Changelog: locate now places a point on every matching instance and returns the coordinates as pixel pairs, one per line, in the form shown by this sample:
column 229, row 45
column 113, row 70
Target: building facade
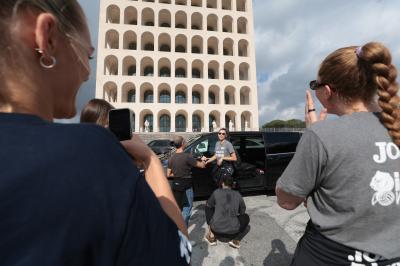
column 180, row 65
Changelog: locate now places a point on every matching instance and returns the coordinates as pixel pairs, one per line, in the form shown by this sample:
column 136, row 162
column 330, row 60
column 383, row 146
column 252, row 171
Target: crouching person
column 225, row 214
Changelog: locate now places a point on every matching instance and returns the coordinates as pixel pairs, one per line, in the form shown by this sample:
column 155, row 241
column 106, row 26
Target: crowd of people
column 72, row 194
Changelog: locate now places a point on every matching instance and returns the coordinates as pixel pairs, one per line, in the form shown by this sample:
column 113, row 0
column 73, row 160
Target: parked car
column 262, row 157
column 160, row 146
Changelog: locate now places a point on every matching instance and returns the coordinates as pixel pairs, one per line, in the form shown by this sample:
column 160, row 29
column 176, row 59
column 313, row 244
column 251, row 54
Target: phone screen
column 120, row 123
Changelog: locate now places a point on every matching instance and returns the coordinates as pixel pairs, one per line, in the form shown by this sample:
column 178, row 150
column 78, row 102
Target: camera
column 120, row 122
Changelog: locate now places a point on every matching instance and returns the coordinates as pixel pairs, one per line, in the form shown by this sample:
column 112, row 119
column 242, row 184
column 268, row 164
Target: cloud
column 299, row 34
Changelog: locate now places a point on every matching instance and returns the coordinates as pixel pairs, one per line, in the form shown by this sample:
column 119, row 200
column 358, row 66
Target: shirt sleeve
column 230, row 148
column 304, row 172
column 151, row 237
column 211, row 200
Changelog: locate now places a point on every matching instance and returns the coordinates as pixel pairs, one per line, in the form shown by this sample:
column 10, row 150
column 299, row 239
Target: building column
column 172, row 121
column 155, row 122
column 189, row 123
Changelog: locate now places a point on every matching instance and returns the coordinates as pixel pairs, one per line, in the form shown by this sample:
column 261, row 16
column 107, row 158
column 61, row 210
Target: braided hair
column 362, row 73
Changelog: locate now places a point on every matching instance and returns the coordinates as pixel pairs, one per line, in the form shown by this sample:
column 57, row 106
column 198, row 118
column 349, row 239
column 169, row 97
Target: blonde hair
column 361, row 73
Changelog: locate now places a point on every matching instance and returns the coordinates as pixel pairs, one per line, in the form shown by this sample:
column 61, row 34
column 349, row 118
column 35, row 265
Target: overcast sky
column 292, row 38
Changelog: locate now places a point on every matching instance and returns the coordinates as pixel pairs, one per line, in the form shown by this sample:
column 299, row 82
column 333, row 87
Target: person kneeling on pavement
column 225, row 214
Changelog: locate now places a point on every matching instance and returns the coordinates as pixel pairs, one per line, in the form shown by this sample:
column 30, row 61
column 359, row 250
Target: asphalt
column 271, row 239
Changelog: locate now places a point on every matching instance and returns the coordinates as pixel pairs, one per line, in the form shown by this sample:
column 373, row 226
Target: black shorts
column 316, row 249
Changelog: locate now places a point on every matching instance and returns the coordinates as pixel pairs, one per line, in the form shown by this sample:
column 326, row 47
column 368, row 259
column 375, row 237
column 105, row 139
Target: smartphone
column 120, row 122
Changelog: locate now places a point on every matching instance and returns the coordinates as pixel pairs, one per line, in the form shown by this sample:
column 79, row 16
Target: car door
column 203, row 183
column 281, row 147
column 250, row 149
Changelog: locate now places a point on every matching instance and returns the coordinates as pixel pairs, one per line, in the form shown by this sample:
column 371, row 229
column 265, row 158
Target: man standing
column 225, row 214
column 179, row 168
column 224, row 154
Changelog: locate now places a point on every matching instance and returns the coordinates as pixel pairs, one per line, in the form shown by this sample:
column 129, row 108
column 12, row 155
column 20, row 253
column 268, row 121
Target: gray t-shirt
column 349, row 170
column 223, row 149
column 228, row 205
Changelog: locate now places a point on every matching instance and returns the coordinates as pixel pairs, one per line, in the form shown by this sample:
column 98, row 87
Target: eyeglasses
column 221, row 133
column 314, row 85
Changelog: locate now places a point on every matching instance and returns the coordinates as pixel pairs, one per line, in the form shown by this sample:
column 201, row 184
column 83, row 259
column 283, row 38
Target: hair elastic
column 358, row 51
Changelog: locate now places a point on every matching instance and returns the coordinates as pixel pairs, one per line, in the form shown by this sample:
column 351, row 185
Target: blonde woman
column 69, row 194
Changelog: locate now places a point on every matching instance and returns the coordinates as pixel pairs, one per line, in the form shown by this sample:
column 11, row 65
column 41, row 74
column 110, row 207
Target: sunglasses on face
column 221, row 133
column 314, row 85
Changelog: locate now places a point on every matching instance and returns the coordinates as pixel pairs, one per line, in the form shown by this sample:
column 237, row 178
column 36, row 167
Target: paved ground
column 271, row 240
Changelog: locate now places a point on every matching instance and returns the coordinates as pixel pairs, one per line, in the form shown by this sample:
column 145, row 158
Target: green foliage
column 292, row 123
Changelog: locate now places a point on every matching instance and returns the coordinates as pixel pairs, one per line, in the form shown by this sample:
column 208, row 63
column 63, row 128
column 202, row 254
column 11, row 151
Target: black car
column 160, row 146
column 262, row 157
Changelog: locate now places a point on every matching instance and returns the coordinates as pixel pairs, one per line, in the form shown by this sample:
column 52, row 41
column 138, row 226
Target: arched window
column 149, row 71
column 196, row 98
column 149, row 47
column 180, row 49
column 196, row 123
column 165, row 72
column 180, row 97
column 195, row 50
column 165, row 48
column 149, row 119
column 211, row 74
column 211, row 98
column 148, row 97
column 196, row 73
column 211, row 118
column 132, row 71
column 113, row 14
column 131, row 96
column 180, row 73
column 165, row 97
column 165, row 123
column 180, row 123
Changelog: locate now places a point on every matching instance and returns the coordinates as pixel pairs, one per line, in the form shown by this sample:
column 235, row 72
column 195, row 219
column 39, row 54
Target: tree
column 292, row 123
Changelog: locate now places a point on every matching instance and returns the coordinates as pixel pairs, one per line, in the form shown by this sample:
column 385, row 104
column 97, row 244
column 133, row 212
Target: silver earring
column 42, row 60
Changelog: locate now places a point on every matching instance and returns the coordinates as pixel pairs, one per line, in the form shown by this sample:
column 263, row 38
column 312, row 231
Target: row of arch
column 180, row 45
column 225, row 4
column 197, row 121
column 165, row 19
column 179, row 95
column 146, row 68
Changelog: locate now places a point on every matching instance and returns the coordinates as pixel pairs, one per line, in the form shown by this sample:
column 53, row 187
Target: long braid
column 384, row 75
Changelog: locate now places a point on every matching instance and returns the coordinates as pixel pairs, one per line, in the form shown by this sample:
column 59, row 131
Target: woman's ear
column 46, row 33
column 328, row 92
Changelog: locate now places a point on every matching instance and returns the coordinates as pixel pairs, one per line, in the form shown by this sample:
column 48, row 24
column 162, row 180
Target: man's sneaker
column 212, row 241
column 234, row 243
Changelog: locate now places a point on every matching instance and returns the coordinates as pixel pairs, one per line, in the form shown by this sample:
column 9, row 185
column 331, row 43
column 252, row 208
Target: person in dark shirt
column 70, row 194
column 179, row 168
column 225, row 214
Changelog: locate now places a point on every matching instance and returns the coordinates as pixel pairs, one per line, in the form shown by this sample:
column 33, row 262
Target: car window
column 206, row 145
column 282, row 142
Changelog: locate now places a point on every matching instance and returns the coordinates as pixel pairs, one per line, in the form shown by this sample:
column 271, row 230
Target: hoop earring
column 42, row 60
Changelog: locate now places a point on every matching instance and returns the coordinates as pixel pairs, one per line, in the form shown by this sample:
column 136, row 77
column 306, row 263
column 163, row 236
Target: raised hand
column 310, row 114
